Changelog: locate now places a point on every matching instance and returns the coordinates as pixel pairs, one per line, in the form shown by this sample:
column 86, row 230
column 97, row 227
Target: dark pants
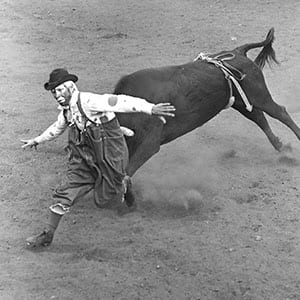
column 97, row 161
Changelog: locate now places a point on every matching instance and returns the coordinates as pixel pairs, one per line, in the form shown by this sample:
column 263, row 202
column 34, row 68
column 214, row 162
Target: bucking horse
column 199, row 90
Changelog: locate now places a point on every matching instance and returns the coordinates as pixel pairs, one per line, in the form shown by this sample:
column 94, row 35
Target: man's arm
column 53, row 131
column 124, row 103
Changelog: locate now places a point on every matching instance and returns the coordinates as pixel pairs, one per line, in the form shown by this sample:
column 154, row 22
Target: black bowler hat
column 57, row 77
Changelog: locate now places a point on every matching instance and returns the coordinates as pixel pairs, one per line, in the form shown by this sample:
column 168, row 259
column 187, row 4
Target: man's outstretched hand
column 163, row 109
column 29, row 143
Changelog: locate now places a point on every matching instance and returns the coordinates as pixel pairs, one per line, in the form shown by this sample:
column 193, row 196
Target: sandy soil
column 218, row 214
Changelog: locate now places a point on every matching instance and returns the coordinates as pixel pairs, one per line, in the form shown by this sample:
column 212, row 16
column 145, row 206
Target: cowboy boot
column 45, row 238
column 128, row 197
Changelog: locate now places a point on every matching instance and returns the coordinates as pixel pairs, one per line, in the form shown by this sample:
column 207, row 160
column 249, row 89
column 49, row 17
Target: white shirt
column 94, row 106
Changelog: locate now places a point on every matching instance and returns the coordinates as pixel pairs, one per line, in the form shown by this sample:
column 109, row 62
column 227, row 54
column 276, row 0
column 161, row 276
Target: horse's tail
column 267, row 54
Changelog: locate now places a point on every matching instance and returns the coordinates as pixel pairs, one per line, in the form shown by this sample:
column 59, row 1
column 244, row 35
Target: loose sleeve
column 116, row 103
column 54, row 130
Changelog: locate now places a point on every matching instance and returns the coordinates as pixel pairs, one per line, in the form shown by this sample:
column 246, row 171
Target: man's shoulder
column 86, row 96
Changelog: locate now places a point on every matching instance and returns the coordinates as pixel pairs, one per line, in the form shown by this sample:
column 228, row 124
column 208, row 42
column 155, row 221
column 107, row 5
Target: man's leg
column 78, row 182
column 45, row 238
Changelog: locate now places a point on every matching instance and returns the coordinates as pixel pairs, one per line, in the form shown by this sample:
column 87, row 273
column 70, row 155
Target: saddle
column 232, row 74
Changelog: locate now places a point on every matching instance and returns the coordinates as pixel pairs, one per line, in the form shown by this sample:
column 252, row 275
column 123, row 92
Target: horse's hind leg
column 258, row 117
column 278, row 112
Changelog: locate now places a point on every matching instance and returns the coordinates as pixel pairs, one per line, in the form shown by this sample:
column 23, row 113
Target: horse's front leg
column 144, row 149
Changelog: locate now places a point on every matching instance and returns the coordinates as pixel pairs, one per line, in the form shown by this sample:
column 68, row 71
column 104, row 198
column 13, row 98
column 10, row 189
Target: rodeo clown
column 98, row 153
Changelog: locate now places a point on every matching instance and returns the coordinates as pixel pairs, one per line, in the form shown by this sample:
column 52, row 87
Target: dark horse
column 199, row 91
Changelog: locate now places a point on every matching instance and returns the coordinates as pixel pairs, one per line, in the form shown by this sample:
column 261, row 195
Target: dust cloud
column 184, row 176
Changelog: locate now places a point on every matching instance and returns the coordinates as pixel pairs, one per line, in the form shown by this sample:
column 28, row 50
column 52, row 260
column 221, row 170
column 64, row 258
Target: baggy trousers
column 98, row 157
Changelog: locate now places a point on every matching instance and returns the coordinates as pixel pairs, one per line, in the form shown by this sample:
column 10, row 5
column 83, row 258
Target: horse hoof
column 286, row 148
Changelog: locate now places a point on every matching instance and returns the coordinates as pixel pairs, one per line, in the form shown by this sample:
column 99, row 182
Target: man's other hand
column 29, row 143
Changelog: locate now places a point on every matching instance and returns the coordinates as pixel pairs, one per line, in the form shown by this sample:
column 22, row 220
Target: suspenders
column 82, row 112
column 86, row 118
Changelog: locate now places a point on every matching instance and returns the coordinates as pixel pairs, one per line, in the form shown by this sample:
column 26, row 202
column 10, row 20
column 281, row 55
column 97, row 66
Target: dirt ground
column 218, row 210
